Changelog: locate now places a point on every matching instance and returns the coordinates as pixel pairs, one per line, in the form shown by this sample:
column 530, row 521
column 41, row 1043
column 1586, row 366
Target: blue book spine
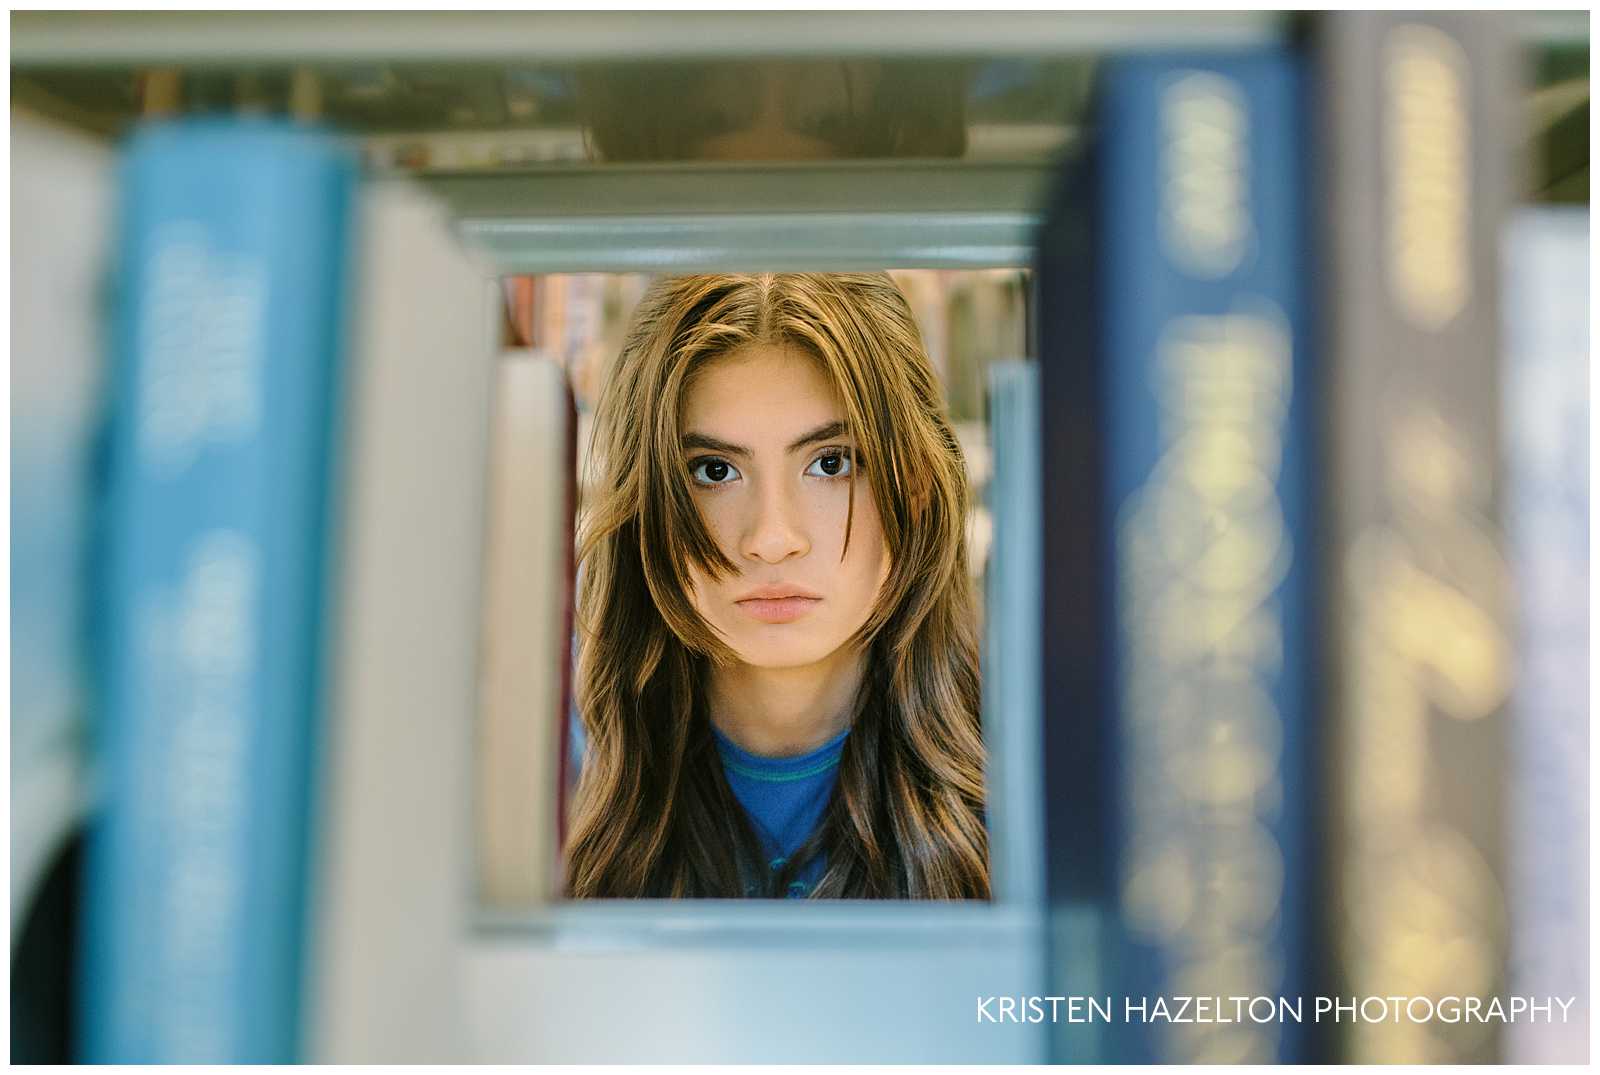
column 227, row 354
column 1177, row 536
column 1545, row 419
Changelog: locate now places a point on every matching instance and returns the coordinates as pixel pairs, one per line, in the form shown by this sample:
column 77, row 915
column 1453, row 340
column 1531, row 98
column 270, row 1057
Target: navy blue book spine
column 1173, row 342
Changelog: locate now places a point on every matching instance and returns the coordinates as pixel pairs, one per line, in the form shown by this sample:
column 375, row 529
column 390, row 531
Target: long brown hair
column 653, row 813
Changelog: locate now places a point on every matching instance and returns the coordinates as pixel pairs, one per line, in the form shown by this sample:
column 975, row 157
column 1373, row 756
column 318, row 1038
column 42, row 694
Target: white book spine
column 524, row 643
column 394, row 862
column 61, row 199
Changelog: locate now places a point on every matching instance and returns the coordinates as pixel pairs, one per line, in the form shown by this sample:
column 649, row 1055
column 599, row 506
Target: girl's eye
column 832, row 464
column 713, row 471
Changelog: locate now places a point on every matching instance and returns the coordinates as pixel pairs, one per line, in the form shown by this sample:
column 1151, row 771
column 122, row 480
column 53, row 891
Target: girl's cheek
column 829, row 510
column 715, row 514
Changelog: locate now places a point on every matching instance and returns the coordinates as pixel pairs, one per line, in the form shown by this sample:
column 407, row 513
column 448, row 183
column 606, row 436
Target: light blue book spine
column 228, row 349
column 1200, row 336
column 1011, row 658
column 1545, row 415
column 1013, row 707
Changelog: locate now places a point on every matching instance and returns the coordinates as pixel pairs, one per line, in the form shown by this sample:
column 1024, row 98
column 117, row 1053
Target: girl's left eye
column 834, row 464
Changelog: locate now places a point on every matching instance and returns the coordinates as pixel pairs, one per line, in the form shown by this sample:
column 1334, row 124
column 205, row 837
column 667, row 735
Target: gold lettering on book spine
column 1202, row 549
column 1426, row 642
column 1427, row 144
column 1205, row 173
column 1425, row 596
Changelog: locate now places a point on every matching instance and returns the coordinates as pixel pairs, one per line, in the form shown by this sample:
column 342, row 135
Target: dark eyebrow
column 700, row 440
column 823, row 432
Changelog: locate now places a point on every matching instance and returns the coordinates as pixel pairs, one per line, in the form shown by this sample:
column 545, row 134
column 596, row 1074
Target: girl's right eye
column 713, row 471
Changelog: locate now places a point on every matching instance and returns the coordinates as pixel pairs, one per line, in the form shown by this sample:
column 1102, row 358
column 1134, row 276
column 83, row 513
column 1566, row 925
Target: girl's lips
column 778, row 609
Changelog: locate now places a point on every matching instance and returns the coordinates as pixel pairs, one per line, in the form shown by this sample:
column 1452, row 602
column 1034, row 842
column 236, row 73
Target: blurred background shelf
column 897, row 986
column 233, row 38
column 506, row 93
column 832, row 216
column 734, row 923
column 228, row 39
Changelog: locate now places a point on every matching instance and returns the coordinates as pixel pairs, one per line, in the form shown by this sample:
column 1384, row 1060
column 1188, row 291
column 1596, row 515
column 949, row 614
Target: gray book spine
column 1416, row 131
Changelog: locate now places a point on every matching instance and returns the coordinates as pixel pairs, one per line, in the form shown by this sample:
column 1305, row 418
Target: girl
column 777, row 656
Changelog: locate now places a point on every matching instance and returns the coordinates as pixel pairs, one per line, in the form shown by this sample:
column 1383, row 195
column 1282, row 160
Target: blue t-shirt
column 785, row 799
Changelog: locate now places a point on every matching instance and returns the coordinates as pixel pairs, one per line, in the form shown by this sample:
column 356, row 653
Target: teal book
column 227, row 359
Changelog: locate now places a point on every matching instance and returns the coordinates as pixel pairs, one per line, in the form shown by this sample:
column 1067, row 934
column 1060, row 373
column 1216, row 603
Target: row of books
column 303, row 493
column 286, row 519
column 1313, row 721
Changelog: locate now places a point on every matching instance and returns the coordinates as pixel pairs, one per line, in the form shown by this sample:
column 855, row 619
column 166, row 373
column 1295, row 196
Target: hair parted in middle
column 653, row 813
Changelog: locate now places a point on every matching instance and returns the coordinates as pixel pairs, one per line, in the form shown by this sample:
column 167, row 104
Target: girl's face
column 769, row 464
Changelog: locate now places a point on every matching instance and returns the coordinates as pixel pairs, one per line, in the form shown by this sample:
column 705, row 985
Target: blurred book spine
column 394, row 893
column 1011, row 633
column 1546, row 411
column 57, row 177
column 520, row 293
column 1177, row 547
column 231, row 271
column 61, row 197
column 1012, row 682
column 527, row 633
column 1415, row 119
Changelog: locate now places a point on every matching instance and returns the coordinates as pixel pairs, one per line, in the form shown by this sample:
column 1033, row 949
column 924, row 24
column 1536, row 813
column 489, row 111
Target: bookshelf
column 893, row 982
column 725, row 984
column 228, row 39
column 481, row 92
column 843, row 215
column 703, row 981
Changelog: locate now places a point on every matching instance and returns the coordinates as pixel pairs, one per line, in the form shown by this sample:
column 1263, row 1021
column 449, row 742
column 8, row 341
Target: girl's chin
column 793, row 653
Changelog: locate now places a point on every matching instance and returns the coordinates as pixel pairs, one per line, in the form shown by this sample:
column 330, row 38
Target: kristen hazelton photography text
column 1263, row 1010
